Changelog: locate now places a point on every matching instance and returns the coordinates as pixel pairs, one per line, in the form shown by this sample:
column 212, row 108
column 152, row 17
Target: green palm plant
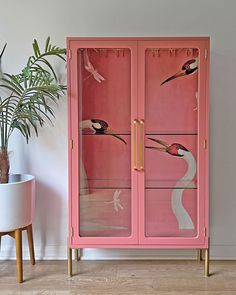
column 29, row 101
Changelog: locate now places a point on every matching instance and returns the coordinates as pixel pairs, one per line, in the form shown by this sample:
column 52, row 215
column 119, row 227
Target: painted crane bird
column 178, row 150
column 188, row 68
column 98, row 126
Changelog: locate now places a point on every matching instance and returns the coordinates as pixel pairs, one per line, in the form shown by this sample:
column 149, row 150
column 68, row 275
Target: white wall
column 46, row 156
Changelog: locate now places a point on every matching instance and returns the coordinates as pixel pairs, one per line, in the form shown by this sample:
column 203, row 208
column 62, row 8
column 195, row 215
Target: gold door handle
column 141, row 145
column 135, row 145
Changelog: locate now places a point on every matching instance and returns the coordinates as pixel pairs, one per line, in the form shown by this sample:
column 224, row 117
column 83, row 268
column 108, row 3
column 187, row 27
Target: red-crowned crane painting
column 178, row 150
column 98, row 126
column 189, row 67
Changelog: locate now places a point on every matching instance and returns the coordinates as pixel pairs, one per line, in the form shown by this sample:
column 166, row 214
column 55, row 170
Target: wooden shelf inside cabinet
column 148, row 133
column 108, row 184
column 149, row 184
column 171, row 133
column 99, row 134
column 169, row 184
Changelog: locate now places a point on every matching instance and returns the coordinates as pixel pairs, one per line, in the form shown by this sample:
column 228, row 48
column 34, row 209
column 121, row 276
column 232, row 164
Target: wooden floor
column 120, row 277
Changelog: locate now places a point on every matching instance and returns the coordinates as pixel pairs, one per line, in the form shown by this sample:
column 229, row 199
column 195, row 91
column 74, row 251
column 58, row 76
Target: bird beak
column 179, row 74
column 112, row 133
column 163, row 143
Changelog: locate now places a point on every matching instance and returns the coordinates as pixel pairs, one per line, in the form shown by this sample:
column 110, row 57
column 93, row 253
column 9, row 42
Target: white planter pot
column 17, row 202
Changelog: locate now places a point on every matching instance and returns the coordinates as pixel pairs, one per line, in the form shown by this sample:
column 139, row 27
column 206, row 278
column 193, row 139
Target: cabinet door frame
column 201, row 240
column 73, row 44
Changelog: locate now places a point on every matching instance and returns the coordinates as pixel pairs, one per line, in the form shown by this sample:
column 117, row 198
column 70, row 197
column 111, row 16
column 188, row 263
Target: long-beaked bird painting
column 188, row 68
column 178, row 150
column 98, row 126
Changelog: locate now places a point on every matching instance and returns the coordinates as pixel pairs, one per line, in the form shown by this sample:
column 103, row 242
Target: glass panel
column 171, row 90
column 171, row 138
column 106, row 160
column 171, row 185
column 167, row 217
column 105, row 213
column 105, row 139
column 171, row 161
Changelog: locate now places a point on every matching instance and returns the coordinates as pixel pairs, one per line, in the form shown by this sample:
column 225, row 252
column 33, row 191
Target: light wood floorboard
column 120, row 277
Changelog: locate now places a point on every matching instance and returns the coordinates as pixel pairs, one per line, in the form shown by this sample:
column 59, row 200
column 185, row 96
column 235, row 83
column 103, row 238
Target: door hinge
column 72, row 231
column 71, row 144
column 205, row 231
column 69, row 54
column 206, row 53
column 205, row 144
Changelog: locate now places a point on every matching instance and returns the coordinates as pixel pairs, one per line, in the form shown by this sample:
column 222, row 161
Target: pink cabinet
column 138, row 142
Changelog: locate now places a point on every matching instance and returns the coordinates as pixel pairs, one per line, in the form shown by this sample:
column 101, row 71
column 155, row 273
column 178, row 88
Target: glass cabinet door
column 105, row 86
column 171, row 93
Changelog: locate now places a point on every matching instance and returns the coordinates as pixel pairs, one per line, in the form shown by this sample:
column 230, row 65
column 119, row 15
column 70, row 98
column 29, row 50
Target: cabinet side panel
column 73, row 139
column 69, row 138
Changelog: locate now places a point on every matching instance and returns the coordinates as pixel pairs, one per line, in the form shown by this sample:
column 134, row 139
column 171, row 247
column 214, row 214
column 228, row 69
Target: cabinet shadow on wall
column 48, row 220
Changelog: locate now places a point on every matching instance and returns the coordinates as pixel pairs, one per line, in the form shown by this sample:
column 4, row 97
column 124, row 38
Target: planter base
column 17, row 235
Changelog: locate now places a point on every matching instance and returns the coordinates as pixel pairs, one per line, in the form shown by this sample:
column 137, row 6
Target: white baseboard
column 59, row 252
column 50, row 252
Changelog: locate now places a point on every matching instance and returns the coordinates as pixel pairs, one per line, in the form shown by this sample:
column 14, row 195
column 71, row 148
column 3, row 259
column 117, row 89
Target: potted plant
column 26, row 103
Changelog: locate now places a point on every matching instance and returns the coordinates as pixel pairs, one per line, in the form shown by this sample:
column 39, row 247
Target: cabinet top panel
column 206, row 38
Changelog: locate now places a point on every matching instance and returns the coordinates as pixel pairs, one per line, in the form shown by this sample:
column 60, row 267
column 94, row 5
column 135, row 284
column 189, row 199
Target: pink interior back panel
column 106, row 160
column 169, row 187
column 109, row 100
column 102, row 216
column 160, row 218
column 105, row 171
column 171, row 120
column 171, row 107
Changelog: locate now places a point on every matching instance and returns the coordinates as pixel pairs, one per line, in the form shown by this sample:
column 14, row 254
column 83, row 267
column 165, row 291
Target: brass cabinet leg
column 31, row 243
column 199, row 254
column 69, row 261
column 18, row 238
column 76, row 254
column 207, row 262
